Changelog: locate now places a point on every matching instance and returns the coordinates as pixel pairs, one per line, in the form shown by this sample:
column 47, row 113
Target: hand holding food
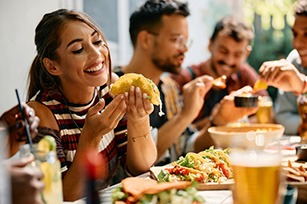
column 283, row 75
column 226, row 112
column 260, row 85
column 134, row 84
column 124, row 83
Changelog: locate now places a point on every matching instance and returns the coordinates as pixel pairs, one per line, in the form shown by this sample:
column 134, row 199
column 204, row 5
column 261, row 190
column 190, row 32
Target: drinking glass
column 263, row 113
column 257, row 175
column 50, row 167
column 5, row 188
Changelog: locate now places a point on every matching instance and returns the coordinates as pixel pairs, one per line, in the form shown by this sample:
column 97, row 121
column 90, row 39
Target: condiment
column 94, row 173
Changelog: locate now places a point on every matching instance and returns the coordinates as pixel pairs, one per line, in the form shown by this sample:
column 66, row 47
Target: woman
column 69, row 91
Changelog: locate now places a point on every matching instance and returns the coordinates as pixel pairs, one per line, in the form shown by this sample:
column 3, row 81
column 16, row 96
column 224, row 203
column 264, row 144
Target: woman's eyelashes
column 96, row 43
column 99, row 42
column 79, row 51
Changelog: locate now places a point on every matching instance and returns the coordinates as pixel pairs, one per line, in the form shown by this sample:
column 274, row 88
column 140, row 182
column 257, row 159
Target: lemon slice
column 47, row 144
column 260, row 85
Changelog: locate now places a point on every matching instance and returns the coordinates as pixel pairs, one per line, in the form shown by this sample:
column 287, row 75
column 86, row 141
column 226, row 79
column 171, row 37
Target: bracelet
column 139, row 137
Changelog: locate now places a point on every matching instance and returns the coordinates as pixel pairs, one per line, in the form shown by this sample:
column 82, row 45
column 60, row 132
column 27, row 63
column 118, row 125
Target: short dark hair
column 301, row 8
column 148, row 15
column 234, row 28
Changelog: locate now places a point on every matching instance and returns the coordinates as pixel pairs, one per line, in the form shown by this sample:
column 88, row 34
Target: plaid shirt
column 71, row 118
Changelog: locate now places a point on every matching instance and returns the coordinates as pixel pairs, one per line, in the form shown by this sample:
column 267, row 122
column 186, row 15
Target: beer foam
column 255, row 158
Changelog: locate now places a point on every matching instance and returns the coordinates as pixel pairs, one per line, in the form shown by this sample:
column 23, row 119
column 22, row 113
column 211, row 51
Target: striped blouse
column 71, row 118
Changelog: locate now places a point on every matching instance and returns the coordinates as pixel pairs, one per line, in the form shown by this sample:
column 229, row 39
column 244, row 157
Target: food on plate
column 147, row 86
column 210, row 165
column 220, row 82
column 295, row 174
column 260, row 85
column 142, row 190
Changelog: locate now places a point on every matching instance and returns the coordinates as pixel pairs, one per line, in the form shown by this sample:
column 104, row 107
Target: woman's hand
column 101, row 120
column 12, row 119
column 138, row 105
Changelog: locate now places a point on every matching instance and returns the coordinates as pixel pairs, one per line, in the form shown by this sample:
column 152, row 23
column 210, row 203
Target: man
column 286, row 111
column 229, row 46
column 159, row 33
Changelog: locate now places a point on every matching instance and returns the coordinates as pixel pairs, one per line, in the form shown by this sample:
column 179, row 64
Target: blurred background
column 271, row 19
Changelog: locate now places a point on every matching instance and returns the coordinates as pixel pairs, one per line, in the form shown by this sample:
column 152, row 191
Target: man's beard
column 166, row 65
column 230, row 69
column 221, row 62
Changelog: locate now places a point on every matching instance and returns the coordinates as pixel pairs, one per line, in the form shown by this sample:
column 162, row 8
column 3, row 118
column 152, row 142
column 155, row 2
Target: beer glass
column 257, row 176
column 263, row 113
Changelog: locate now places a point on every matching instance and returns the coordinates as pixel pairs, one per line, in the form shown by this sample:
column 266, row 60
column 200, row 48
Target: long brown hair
column 47, row 40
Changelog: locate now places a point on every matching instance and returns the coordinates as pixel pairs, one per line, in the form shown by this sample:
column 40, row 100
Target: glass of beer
column 257, row 176
column 263, row 113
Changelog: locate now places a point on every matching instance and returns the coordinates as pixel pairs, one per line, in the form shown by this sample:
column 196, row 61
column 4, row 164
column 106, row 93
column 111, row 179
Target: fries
column 297, row 174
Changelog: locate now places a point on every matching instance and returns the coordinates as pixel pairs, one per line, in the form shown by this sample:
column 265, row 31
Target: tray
column 154, row 171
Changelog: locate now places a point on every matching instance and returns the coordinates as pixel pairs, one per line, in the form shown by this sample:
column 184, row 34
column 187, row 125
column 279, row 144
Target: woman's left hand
column 138, row 105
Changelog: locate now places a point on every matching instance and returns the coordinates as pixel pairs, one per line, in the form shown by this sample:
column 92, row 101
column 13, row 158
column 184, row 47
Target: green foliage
column 272, row 21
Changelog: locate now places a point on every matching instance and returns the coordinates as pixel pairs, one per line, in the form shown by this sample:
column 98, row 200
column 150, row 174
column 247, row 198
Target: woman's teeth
column 95, row 69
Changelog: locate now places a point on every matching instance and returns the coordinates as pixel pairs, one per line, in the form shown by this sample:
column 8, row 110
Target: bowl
column 246, row 101
column 249, row 136
column 301, row 152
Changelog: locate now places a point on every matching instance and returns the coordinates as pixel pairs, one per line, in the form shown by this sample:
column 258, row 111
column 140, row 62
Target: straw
column 25, row 121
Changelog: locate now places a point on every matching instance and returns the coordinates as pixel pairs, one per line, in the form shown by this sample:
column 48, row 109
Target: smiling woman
column 69, row 90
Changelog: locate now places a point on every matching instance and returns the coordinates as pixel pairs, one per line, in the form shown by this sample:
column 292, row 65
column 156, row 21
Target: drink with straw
column 46, row 158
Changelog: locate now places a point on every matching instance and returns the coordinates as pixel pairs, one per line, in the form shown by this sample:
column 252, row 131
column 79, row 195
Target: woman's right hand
column 102, row 119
